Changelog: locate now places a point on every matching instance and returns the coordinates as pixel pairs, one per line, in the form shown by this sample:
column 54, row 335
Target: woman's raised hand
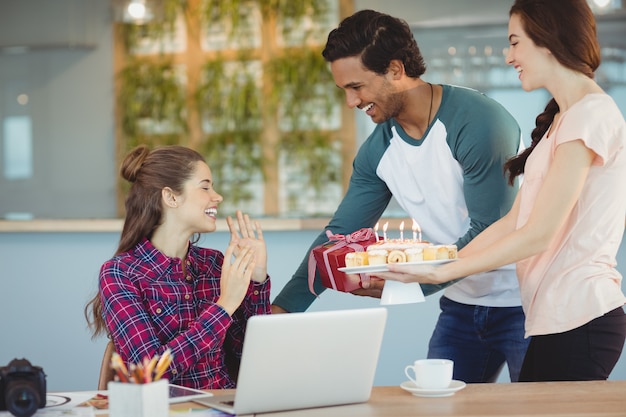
column 235, row 279
column 249, row 235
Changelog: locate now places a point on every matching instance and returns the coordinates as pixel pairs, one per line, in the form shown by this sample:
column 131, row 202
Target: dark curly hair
column 378, row 38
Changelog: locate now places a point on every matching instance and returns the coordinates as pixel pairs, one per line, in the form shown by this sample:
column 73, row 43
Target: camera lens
column 21, row 399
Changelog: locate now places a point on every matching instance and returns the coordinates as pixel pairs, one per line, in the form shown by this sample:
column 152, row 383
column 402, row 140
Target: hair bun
column 133, row 163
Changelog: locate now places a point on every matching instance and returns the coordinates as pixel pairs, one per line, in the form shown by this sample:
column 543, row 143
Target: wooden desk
column 593, row 398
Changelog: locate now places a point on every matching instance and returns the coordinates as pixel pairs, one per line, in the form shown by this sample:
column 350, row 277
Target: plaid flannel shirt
column 149, row 305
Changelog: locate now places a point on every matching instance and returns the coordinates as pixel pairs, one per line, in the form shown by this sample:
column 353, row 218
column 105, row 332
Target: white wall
column 68, row 77
column 46, row 279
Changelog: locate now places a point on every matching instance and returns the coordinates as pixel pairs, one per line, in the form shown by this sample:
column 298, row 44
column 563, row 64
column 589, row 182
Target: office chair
column 106, row 371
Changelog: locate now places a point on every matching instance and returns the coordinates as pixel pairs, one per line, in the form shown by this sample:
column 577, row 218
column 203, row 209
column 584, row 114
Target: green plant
column 229, row 102
column 304, row 91
column 288, row 11
column 157, row 29
column 152, row 103
column 238, row 92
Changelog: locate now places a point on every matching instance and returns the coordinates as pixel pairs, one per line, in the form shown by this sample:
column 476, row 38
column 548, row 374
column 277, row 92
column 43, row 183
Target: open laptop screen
column 303, row 360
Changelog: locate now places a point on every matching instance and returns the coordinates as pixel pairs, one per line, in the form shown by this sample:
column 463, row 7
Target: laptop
column 304, row 360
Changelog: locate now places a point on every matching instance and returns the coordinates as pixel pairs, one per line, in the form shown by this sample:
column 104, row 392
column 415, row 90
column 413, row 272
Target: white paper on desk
column 63, row 404
column 197, row 412
column 49, row 412
column 396, row 292
column 67, row 400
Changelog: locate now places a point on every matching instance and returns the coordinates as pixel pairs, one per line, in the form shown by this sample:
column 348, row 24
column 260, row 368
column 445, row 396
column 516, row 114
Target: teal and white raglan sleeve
column 482, row 149
column 364, row 203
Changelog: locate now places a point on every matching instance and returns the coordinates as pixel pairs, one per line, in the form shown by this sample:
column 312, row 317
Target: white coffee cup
column 430, row 373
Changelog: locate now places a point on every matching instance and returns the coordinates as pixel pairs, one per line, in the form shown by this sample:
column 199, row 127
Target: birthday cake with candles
column 365, row 247
column 389, row 251
column 399, row 251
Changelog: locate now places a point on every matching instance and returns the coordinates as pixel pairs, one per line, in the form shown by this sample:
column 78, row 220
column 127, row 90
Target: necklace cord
column 430, row 110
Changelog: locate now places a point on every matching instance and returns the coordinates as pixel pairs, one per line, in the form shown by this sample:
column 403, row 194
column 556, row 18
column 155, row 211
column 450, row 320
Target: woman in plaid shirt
column 161, row 291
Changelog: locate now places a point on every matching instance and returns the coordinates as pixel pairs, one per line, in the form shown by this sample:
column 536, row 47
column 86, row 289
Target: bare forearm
column 490, row 254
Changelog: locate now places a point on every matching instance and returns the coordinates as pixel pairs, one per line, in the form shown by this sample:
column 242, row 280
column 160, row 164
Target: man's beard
column 393, row 105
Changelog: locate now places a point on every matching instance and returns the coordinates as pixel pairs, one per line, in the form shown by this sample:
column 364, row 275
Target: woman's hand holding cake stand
column 424, row 273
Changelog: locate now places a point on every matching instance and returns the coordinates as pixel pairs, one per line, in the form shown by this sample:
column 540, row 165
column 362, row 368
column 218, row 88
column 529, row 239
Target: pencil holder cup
column 139, row 400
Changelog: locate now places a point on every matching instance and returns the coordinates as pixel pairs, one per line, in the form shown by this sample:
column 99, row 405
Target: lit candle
column 402, row 231
column 376, row 231
column 416, row 228
column 385, row 231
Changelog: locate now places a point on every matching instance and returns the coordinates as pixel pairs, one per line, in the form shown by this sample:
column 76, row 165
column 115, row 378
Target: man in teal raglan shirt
column 439, row 151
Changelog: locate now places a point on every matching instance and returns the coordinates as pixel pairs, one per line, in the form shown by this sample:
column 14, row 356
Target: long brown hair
column 567, row 28
column 148, row 172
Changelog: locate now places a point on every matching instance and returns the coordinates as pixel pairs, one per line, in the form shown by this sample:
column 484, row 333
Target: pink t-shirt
column 575, row 280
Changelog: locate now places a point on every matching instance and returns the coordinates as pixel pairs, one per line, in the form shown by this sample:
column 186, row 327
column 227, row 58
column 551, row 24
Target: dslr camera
column 22, row 388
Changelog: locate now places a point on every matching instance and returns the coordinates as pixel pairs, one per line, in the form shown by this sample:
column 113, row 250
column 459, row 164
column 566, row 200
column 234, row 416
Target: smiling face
column 197, row 205
column 371, row 92
column 533, row 64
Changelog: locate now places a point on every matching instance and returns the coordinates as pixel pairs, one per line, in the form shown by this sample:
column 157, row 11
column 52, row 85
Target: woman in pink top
column 567, row 221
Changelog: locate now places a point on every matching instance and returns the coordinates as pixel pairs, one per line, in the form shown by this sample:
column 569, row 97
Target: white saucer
column 430, row 392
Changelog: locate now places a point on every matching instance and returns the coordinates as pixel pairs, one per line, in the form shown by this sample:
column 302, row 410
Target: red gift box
column 330, row 256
